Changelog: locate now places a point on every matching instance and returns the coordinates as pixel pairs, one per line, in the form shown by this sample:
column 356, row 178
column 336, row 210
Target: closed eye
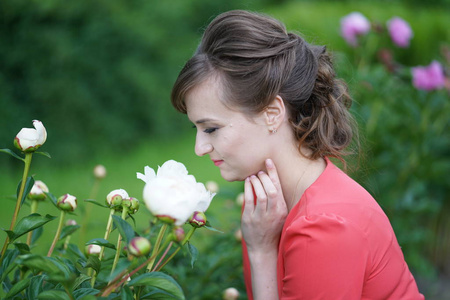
column 210, row 130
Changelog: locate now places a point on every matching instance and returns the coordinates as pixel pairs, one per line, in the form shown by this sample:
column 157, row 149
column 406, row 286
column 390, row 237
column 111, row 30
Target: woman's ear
column 275, row 113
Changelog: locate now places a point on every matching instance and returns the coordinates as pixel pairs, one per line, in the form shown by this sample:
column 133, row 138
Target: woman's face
column 235, row 142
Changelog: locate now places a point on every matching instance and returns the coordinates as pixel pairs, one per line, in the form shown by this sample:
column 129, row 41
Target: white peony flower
column 67, row 202
column 172, row 194
column 212, row 186
column 38, row 191
column 99, row 171
column 115, row 197
column 93, row 250
column 230, row 294
column 29, row 139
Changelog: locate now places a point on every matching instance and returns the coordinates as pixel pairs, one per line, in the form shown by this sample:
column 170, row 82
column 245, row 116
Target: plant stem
column 112, row 285
column 34, row 205
column 107, row 232
column 163, row 256
column 157, row 244
column 26, row 170
column 87, row 213
column 58, row 233
column 119, row 241
column 186, row 239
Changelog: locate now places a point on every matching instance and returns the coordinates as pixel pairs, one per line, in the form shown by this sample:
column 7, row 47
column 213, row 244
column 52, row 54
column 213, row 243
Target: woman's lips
column 217, row 162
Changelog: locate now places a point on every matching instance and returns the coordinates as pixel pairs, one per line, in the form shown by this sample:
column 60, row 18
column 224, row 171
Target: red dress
column 337, row 243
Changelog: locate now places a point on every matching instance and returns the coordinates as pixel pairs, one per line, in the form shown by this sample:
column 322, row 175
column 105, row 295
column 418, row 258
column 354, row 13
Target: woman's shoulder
column 336, row 192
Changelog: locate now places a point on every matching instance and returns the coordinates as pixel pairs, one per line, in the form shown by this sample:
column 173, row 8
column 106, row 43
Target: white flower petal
column 42, row 133
column 149, row 174
column 175, row 194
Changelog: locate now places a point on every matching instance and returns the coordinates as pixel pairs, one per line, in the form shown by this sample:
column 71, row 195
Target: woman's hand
column 262, row 221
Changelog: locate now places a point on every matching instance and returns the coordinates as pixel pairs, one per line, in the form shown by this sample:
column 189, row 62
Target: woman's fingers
column 273, row 174
column 261, row 196
column 267, row 189
column 249, row 199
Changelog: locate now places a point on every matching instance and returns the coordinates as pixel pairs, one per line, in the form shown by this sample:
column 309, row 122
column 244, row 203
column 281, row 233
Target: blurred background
column 98, row 74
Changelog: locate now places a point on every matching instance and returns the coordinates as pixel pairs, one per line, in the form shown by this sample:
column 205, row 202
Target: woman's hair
column 256, row 59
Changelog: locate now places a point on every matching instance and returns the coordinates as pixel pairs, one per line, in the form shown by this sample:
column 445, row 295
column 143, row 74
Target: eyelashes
column 207, row 130
column 210, row 130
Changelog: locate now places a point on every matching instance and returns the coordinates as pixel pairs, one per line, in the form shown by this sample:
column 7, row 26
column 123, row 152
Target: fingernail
column 269, row 163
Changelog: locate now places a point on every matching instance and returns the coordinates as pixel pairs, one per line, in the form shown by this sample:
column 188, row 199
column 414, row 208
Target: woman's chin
column 231, row 177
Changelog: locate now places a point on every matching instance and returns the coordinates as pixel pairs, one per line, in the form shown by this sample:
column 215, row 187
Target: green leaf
column 36, row 235
column 68, row 230
column 90, row 297
column 22, row 247
column 193, row 252
column 126, row 293
column 159, row 280
column 10, row 152
column 18, row 287
column 209, row 227
column 35, row 287
column 80, row 279
column 72, row 248
column 8, row 263
column 94, row 263
column 125, row 229
column 78, row 294
column 96, row 203
column 101, row 242
column 53, row 199
column 54, row 295
column 28, row 185
column 27, row 224
column 44, row 154
column 38, row 262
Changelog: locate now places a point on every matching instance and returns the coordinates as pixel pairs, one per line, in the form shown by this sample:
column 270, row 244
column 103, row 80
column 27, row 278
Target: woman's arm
column 262, row 222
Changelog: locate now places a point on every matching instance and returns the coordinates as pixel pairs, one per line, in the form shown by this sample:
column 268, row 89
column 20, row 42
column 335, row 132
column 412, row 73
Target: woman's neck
column 296, row 174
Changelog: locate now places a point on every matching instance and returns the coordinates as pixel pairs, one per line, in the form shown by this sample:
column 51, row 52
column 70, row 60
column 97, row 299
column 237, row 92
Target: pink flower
column 428, row 78
column 400, row 32
column 353, row 25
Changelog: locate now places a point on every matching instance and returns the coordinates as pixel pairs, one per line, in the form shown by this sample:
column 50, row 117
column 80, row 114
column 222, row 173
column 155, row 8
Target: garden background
column 98, row 74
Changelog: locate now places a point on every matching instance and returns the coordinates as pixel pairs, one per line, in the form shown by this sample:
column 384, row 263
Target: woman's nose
column 202, row 146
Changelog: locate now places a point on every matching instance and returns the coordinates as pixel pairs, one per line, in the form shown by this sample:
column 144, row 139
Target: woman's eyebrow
column 205, row 120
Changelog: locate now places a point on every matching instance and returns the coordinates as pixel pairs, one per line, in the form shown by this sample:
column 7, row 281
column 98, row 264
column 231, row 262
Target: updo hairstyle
column 256, row 59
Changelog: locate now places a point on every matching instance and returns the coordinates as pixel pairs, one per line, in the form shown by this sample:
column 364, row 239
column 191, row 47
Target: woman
column 269, row 111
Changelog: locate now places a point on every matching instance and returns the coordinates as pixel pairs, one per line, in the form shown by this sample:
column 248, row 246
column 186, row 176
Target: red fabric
column 337, row 243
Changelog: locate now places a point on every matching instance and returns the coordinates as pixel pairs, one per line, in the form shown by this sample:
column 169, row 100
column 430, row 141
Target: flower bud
column 230, row 294
column 212, row 186
column 240, row 199
column 115, row 198
column 67, row 202
column 38, row 191
column 198, row 219
column 99, row 171
column 178, row 233
column 238, row 235
column 29, row 139
column 139, row 246
column 93, row 250
column 71, row 222
column 132, row 204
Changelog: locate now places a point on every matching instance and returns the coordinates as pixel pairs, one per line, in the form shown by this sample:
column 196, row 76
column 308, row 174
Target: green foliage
column 405, row 150
column 98, row 74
